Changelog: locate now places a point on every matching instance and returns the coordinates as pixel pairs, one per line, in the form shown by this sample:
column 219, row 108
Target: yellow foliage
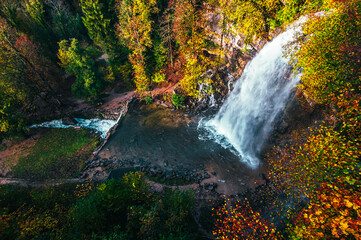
column 135, row 27
column 34, row 223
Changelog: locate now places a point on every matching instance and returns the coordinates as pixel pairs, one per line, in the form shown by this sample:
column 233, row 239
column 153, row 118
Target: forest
column 84, row 48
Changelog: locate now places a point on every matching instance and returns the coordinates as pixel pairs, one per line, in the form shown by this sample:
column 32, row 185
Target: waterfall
column 206, row 89
column 259, row 95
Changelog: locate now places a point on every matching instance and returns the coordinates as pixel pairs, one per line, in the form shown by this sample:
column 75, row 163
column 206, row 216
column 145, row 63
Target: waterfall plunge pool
column 151, row 135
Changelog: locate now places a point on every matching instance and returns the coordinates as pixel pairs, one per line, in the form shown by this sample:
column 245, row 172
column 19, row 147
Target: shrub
column 169, row 217
column 86, row 216
column 159, row 77
column 177, row 100
column 148, row 99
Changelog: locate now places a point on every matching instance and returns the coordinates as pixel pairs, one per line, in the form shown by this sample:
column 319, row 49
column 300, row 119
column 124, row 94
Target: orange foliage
column 239, row 221
column 336, row 213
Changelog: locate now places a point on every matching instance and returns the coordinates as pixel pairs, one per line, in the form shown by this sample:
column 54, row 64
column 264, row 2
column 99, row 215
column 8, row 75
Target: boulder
column 68, row 120
column 210, row 186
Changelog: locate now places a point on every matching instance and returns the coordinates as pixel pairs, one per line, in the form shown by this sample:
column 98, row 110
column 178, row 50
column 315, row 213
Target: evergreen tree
column 99, row 25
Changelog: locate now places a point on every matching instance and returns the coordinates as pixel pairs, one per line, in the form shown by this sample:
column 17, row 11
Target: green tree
column 292, row 9
column 87, row 216
column 98, row 22
column 169, row 217
column 15, row 89
column 9, row 11
column 11, row 101
column 66, row 24
column 81, row 62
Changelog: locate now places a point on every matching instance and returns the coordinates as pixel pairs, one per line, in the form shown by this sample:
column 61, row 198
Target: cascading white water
column 100, row 125
column 206, row 90
column 247, row 116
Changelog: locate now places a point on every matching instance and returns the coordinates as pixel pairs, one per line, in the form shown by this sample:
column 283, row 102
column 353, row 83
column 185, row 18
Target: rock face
column 68, row 120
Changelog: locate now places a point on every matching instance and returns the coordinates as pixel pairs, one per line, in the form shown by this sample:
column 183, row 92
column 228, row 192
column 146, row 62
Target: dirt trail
column 116, row 100
column 112, row 103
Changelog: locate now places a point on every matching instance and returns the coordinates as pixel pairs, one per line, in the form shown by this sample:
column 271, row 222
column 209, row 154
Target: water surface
column 158, row 135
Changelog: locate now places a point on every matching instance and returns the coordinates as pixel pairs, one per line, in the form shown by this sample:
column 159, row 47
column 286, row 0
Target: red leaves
column 26, row 46
column 335, row 213
column 237, row 220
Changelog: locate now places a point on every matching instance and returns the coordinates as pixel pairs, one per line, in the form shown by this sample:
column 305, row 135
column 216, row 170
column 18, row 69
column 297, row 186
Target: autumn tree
column 24, row 77
column 134, row 31
column 190, row 34
column 28, row 52
column 320, row 169
column 322, row 166
column 330, row 53
column 33, row 20
column 250, row 17
column 167, row 34
column 335, row 213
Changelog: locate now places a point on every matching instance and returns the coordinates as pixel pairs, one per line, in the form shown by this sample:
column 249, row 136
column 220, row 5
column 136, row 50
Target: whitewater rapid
column 99, row 125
